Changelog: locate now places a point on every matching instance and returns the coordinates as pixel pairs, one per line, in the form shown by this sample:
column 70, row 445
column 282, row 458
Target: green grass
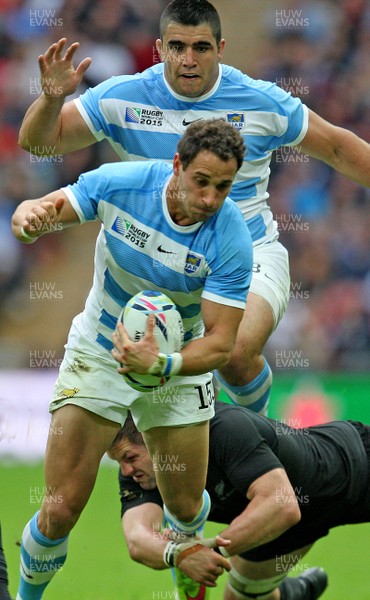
column 98, row 566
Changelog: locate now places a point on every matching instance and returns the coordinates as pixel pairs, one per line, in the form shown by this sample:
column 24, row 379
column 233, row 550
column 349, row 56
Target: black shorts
column 319, row 517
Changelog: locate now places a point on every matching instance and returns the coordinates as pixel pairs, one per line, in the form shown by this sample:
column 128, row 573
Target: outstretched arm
column 339, row 148
column 51, row 213
column 51, row 127
column 146, row 544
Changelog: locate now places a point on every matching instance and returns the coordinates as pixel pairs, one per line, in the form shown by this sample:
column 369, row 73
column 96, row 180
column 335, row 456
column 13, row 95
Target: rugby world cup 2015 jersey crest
column 144, row 116
column 137, row 236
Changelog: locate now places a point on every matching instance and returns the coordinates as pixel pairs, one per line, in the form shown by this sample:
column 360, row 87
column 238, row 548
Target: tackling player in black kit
column 279, row 489
column 4, row 593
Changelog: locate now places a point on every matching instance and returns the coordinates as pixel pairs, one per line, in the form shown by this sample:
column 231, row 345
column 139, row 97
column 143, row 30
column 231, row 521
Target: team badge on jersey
column 192, row 263
column 236, row 120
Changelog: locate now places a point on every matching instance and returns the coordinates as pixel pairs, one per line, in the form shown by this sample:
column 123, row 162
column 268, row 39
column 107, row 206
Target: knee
column 243, row 366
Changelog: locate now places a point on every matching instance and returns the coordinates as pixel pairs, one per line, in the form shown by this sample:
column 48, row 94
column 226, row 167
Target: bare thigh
column 180, row 459
column 76, row 443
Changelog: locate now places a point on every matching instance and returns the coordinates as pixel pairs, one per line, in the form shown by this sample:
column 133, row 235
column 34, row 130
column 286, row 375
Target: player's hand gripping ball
column 168, row 331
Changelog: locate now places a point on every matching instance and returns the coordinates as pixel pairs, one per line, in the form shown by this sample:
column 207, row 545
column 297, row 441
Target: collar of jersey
column 212, row 91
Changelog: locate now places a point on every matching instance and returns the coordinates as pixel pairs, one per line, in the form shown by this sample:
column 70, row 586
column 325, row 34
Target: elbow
column 134, row 551
column 140, row 555
column 292, row 515
column 224, row 359
column 23, row 142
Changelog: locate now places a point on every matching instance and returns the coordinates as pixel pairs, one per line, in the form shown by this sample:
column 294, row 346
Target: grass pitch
column 98, row 566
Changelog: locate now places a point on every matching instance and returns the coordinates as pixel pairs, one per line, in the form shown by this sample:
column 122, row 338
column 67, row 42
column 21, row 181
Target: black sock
column 293, row 589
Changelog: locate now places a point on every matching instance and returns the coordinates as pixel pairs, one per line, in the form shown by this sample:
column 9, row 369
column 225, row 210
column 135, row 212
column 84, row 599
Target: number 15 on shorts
column 206, row 395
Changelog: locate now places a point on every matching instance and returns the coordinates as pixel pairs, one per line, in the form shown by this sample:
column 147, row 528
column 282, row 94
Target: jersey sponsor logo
column 192, row 263
column 133, row 234
column 236, row 120
column 160, row 249
column 144, row 116
column 130, row 495
column 186, row 123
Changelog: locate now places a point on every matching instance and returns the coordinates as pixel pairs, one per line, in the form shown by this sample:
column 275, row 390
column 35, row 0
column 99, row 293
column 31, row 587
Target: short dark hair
column 215, row 135
column 128, row 432
column 191, row 12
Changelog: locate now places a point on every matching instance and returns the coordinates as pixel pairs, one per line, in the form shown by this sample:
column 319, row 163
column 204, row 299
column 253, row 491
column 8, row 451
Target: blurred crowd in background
column 319, row 50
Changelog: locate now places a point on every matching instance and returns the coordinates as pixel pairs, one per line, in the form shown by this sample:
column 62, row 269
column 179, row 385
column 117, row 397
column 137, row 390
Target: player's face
column 135, row 462
column 200, row 190
column 191, row 58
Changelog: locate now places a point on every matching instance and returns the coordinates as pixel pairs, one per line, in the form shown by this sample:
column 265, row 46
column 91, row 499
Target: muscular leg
column 247, row 375
column 71, row 465
column 180, row 458
column 72, row 460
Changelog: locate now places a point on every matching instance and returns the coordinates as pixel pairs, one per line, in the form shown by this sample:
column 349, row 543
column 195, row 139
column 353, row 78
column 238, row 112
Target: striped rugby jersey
column 139, row 247
column 144, row 119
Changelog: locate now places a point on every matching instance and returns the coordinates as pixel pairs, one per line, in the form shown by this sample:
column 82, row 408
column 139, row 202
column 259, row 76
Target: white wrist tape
column 175, row 552
column 27, row 236
column 166, row 365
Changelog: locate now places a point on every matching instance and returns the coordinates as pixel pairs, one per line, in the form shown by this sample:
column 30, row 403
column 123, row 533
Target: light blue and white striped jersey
column 139, row 247
column 144, row 119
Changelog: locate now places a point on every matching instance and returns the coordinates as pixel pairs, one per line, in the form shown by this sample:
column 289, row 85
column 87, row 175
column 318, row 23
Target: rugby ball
column 168, row 331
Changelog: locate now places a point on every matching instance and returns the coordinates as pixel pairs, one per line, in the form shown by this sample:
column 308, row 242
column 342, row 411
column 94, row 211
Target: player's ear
column 220, row 49
column 176, row 164
column 159, row 47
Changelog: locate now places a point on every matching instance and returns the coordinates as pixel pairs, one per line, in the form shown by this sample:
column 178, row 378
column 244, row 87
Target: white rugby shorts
column 91, row 380
column 271, row 278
